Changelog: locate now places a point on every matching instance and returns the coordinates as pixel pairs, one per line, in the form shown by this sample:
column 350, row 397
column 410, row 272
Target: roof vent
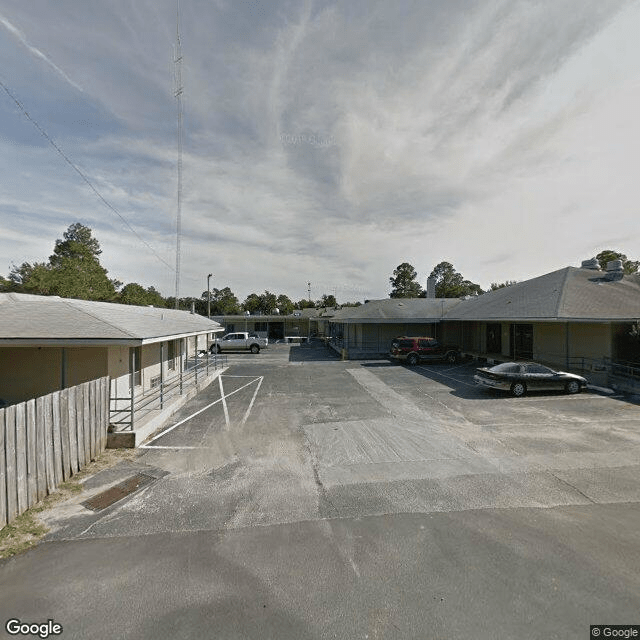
column 591, row 264
column 615, row 270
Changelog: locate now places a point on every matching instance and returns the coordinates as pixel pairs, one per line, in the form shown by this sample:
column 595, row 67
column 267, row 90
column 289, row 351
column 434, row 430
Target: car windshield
column 506, row 367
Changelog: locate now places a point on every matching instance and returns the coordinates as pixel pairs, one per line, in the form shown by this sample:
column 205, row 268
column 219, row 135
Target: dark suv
column 413, row 350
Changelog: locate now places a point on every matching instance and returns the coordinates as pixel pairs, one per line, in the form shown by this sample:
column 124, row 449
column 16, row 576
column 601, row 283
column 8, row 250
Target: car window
column 424, row 343
column 537, row 368
column 506, row 367
column 404, row 343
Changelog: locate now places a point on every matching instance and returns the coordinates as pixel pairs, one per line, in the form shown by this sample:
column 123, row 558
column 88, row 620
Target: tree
column 304, row 304
column 134, row 293
column 502, row 285
column 608, row 255
column 78, row 243
column 268, row 302
column 251, row 303
column 327, row 301
column 31, row 278
column 404, row 283
column 223, row 302
column 451, row 284
column 284, row 304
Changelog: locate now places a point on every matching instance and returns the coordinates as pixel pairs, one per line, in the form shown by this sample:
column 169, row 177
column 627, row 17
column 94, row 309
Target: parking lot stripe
column 193, row 415
column 246, row 415
column 224, row 403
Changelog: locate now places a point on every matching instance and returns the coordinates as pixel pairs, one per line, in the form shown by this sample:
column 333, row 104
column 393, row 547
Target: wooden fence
column 44, row 441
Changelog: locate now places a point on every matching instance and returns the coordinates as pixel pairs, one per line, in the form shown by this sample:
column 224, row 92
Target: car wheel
column 573, row 386
column 218, row 349
column 255, row 348
column 451, row 357
column 412, row 359
column 518, row 389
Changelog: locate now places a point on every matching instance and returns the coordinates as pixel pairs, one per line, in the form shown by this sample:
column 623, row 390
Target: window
column 136, row 365
column 537, row 368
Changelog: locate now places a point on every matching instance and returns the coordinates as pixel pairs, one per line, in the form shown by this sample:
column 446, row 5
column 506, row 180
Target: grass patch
column 27, row 529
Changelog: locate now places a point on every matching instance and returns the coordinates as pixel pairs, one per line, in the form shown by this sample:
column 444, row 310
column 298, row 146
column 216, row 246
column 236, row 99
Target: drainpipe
column 63, row 369
column 566, row 345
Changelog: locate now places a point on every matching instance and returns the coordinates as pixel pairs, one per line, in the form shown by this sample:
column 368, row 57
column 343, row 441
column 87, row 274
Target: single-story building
column 366, row 331
column 150, row 354
column 575, row 318
column 274, row 327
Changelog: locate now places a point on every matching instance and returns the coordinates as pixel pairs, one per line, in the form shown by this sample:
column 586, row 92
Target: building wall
column 29, row 372
column 85, row 363
column 549, row 342
column 590, row 340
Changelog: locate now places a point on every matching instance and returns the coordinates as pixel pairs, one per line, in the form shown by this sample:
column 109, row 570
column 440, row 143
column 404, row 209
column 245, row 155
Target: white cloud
column 330, row 143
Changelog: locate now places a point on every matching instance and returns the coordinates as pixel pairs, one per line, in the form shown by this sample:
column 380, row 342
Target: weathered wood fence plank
column 48, row 439
column 86, row 419
column 64, row 434
column 21, row 458
column 57, row 439
column 80, row 426
column 3, row 474
column 73, row 431
column 32, row 448
column 10, row 457
column 92, row 417
column 41, row 440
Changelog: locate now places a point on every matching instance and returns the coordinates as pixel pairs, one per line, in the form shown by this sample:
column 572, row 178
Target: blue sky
column 324, row 141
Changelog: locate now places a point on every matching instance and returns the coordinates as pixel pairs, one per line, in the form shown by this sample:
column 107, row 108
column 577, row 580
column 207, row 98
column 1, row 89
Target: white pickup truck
column 239, row 342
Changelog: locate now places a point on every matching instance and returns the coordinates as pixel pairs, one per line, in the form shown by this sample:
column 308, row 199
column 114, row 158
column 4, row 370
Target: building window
column 136, row 356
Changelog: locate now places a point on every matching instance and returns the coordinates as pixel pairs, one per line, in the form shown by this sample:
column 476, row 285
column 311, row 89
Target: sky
column 323, row 141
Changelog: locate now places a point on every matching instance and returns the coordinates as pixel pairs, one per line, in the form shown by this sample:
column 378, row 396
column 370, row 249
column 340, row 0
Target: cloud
column 14, row 31
column 326, row 140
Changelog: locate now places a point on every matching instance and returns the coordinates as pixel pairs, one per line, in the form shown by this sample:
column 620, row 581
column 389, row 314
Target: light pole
column 209, row 297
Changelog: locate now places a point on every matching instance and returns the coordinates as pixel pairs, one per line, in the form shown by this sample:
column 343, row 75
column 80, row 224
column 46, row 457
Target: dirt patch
column 28, row 528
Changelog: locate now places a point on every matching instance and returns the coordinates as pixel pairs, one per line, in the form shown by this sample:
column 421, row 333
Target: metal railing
column 123, row 418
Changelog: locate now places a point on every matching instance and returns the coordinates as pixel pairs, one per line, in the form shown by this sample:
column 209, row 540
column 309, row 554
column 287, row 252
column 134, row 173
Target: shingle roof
column 390, row 310
column 27, row 317
column 567, row 294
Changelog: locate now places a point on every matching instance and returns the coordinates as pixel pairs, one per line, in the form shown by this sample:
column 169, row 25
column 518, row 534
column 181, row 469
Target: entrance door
column 521, row 342
column 494, row 337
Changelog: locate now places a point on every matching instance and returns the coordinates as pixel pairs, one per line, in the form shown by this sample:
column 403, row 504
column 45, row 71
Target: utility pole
column 209, row 297
column 178, row 95
column 309, row 290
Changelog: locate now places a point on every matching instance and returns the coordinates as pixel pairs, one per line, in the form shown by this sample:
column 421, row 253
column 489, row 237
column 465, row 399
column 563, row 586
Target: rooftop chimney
column 591, row 264
column 615, row 270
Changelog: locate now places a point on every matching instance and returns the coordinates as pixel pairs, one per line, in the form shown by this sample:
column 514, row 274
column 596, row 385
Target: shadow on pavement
column 312, row 352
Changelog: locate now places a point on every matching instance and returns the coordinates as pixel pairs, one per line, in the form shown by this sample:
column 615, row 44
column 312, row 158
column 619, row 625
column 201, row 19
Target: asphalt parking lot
column 300, row 496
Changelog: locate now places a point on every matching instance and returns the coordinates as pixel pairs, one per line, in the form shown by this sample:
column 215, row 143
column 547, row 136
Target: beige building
column 150, row 354
column 366, row 331
column 577, row 318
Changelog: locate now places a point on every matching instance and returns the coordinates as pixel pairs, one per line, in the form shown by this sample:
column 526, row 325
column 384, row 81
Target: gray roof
column 397, row 310
column 40, row 319
column 567, row 294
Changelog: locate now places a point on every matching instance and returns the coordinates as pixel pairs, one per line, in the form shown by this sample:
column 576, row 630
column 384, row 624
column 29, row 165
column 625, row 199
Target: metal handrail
column 155, row 398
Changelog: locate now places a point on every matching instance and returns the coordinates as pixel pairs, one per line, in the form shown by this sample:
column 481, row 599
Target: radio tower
column 178, row 95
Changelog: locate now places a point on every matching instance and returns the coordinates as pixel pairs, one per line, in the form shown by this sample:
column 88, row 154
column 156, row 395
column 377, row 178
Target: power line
column 82, row 175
